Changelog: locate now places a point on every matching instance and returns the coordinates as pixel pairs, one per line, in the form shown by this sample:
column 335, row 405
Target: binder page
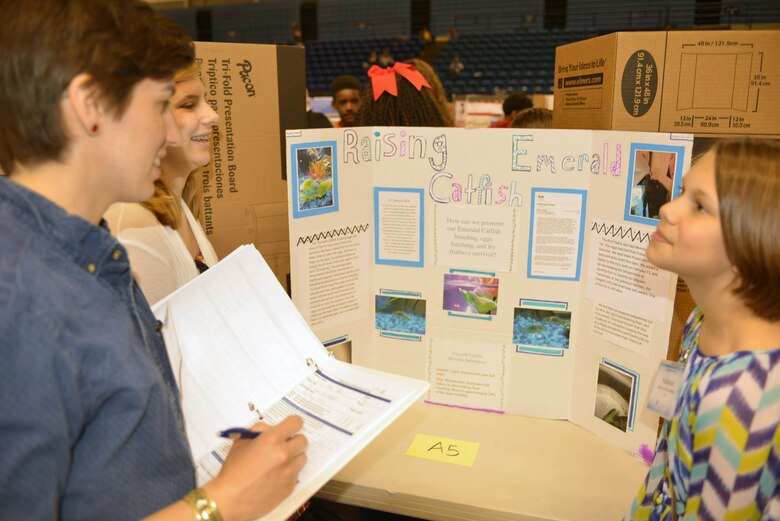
column 241, row 342
column 242, row 353
column 343, row 408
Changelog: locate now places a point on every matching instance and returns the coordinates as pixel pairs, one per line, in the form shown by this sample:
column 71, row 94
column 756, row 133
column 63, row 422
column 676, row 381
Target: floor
column 321, row 510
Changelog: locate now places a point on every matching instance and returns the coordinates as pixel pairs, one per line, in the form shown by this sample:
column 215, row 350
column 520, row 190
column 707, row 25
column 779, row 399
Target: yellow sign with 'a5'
column 446, row 450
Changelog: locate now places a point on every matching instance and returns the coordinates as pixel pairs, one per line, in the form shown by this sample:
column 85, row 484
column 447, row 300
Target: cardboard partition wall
column 709, row 83
column 259, row 92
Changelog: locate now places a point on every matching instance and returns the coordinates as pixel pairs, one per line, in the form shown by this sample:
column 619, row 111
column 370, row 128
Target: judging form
column 334, row 406
column 241, row 353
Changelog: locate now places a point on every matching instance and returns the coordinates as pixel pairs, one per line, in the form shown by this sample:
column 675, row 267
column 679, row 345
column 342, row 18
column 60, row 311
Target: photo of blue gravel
column 400, row 314
column 542, row 328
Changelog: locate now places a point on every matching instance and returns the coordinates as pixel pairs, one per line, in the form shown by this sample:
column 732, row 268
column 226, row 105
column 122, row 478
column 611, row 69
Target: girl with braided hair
column 398, row 96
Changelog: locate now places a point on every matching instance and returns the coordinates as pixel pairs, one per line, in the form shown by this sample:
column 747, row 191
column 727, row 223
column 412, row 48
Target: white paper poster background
column 584, row 398
column 588, row 162
column 332, row 263
column 467, row 374
column 627, row 330
column 482, row 240
column 619, row 273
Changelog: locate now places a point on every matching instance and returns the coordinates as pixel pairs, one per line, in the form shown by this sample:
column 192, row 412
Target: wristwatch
column 205, row 508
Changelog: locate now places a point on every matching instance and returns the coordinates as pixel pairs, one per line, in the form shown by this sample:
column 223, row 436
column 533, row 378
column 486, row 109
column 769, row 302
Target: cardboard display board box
column 709, row 83
column 259, row 92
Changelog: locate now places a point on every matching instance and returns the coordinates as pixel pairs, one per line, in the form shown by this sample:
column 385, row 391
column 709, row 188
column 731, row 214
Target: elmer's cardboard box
column 708, row 83
column 259, row 92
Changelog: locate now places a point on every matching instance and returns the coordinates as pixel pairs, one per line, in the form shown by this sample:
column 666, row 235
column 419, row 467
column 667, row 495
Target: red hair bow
column 383, row 80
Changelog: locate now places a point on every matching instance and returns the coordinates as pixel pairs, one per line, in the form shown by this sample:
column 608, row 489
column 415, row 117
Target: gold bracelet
column 205, row 508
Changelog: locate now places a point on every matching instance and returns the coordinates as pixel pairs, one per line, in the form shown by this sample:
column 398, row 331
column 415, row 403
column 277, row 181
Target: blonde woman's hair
column 534, row 117
column 437, row 90
column 162, row 203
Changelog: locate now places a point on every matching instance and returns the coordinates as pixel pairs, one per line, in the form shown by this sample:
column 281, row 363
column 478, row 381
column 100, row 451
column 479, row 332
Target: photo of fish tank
column 314, row 177
column 470, row 294
column 542, row 327
column 400, row 314
column 613, row 396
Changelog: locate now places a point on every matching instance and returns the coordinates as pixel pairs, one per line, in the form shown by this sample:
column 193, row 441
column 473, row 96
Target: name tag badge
column 663, row 394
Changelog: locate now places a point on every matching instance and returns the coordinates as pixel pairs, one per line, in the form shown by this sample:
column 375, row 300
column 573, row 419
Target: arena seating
column 503, row 44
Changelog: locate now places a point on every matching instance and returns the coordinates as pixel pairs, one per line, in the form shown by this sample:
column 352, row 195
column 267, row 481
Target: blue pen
column 239, row 433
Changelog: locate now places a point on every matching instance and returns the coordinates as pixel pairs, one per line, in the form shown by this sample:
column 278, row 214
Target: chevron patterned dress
column 721, row 451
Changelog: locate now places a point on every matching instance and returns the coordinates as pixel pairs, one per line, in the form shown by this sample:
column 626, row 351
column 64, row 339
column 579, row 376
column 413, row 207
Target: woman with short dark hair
column 91, row 426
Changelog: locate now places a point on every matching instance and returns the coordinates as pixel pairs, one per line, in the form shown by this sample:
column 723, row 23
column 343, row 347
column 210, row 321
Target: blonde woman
column 437, row 91
column 165, row 242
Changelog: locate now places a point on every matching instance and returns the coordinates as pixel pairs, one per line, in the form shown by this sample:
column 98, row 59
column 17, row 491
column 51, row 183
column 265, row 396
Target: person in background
column 456, row 67
column 345, row 90
column 91, row 426
column 165, row 243
column 315, row 119
column 718, row 455
column 535, row 117
column 297, row 34
column 513, row 104
column 385, row 59
column 164, row 240
column 372, row 60
column 398, row 96
column 437, row 90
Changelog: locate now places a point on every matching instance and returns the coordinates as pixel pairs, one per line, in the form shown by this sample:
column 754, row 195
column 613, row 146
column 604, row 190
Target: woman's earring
column 94, row 128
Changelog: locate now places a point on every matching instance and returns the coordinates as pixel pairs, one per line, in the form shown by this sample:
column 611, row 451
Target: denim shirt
column 90, row 426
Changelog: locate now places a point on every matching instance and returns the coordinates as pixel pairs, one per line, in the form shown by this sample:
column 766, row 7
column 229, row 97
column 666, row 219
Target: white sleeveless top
column 160, row 261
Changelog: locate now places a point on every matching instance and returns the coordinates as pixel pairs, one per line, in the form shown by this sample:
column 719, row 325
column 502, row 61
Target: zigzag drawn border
column 336, row 232
column 602, row 229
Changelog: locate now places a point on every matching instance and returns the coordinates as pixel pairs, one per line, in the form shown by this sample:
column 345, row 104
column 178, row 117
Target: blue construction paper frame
column 297, row 206
column 420, row 262
column 652, row 147
column 583, row 214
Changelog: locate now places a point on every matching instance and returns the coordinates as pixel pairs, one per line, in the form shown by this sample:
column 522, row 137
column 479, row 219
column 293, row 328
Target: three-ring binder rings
column 242, row 353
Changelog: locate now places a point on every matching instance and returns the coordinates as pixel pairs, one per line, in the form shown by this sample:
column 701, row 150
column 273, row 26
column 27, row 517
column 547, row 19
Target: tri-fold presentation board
column 258, row 91
column 504, row 266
